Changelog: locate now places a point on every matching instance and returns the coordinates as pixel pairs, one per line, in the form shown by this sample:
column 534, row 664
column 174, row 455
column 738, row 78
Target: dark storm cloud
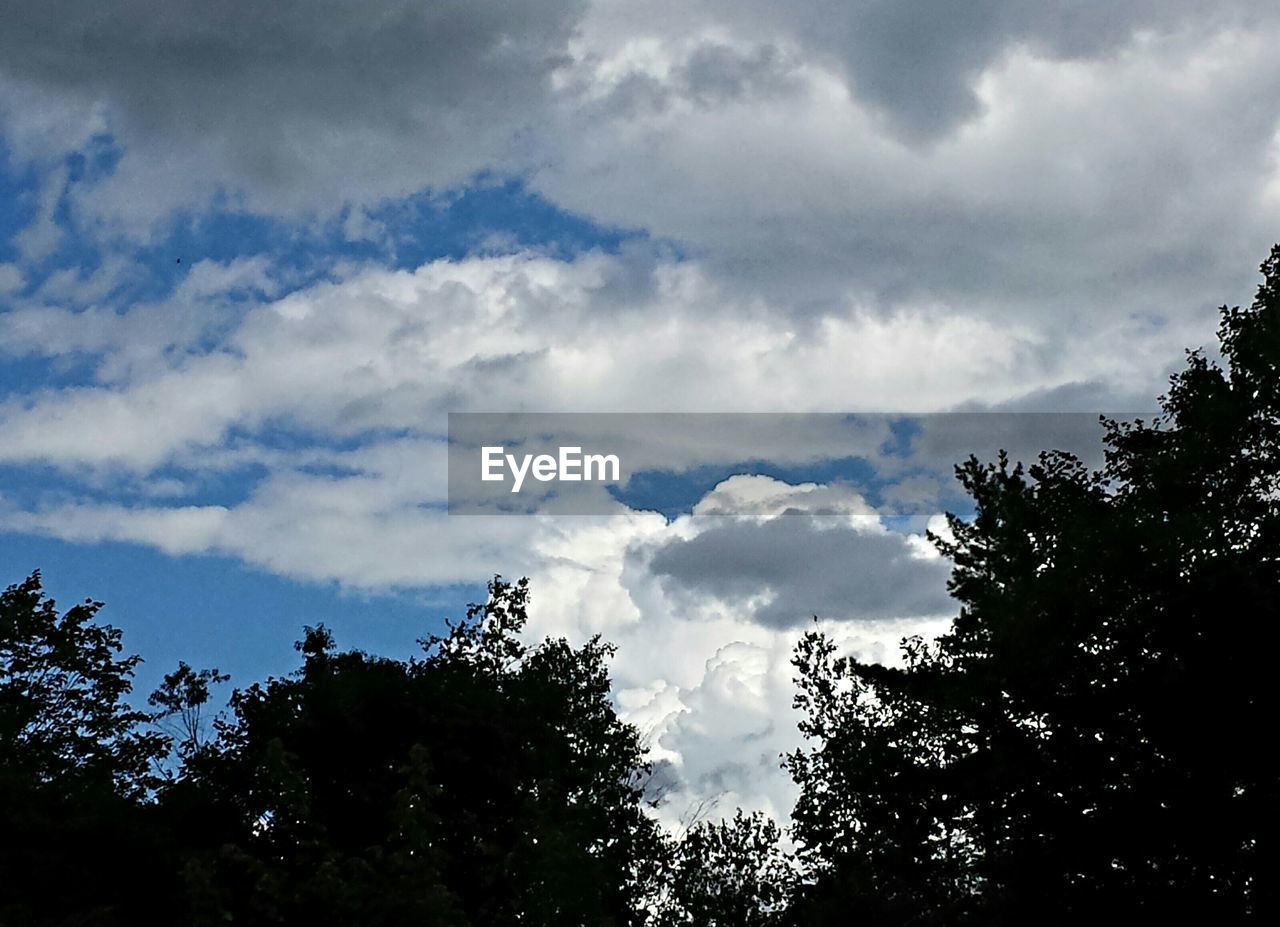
column 716, row 73
column 285, row 89
column 916, row 60
column 808, row 567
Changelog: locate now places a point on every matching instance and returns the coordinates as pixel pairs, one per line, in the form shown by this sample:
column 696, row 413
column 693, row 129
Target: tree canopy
column 76, row 759
column 486, row 782
column 1089, row 738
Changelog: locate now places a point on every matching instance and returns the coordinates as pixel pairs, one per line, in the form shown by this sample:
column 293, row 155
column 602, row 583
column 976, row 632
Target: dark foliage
column 1090, row 738
column 727, row 874
column 484, row 783
column 75, row 761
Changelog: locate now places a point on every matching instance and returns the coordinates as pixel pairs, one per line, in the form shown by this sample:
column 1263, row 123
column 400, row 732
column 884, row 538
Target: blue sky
column 208, row 609
column 241, row 288
column 214, row 612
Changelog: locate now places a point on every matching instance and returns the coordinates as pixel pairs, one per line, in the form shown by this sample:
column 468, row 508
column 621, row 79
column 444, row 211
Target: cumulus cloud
column 702, row 670
column 918, row 61
column 72, row 314
column 1111, row 165
column 10, row 278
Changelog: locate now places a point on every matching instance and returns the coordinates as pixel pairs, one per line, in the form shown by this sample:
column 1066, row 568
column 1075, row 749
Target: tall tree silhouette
column 76, row 760
column 487, row 782
column 1092, row 736
column 731, row 873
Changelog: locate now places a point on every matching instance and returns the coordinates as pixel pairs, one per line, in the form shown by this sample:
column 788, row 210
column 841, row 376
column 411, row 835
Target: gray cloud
column 1123, row 171
column 290, row 98
column 809, row 568
column 712, row 75
column 1090, row 174
column 917, row 60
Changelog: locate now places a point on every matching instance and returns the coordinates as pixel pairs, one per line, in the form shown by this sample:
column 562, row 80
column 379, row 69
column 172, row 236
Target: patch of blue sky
column 21, row 202
column 675, row 492
column 19, row 188
column 903, row 431
column 489, row 213
column 216, row 611
column 26, row 373
column 38, row 485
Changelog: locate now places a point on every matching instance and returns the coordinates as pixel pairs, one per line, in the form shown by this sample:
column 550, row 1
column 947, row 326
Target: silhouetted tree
column 487, row 782
column 76, row 762
column 180, row 703
column 730, row 873
column 1092, row 736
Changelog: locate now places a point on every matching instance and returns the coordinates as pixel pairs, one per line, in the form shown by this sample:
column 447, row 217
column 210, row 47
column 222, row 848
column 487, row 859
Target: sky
column 252, row 255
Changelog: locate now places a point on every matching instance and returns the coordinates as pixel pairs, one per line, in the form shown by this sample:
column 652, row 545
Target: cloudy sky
column 252, row 254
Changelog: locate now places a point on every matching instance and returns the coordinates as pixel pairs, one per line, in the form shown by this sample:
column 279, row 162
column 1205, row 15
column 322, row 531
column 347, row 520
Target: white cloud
column 395, row 350
column 41, row 237
column 10, row 278
column 705, row 676
column 1084, row 187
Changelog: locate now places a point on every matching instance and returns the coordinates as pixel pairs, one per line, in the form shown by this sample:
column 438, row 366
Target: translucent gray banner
column 593, row 463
